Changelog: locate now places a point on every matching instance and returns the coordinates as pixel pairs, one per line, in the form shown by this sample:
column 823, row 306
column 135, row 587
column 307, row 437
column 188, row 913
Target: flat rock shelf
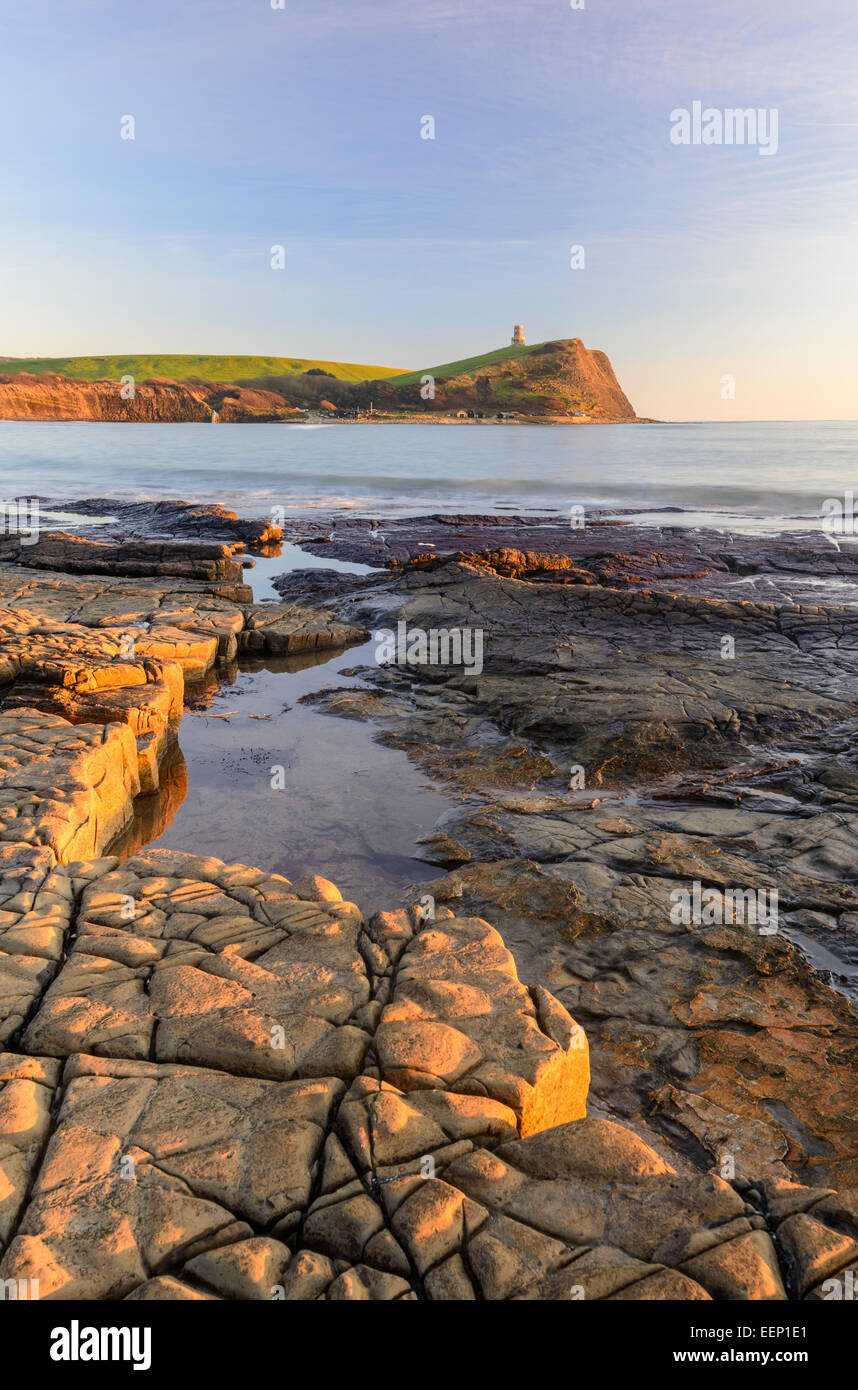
column 219, row 1084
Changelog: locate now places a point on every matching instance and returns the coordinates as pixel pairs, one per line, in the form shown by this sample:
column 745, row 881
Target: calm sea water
column 744, row 476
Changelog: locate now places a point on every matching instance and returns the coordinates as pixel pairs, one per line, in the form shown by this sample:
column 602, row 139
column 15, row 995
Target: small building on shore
column 518, row 335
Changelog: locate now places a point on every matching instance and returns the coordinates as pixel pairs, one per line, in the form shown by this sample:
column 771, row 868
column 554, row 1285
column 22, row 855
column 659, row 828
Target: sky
column 721, row 281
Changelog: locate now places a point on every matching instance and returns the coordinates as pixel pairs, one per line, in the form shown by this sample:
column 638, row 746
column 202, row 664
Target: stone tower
column 518, row 334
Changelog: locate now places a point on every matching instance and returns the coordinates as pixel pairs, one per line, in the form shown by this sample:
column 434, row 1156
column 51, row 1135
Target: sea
column 755, row 476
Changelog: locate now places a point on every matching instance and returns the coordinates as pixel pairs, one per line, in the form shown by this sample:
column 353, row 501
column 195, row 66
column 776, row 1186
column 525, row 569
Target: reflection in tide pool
column 351, row 809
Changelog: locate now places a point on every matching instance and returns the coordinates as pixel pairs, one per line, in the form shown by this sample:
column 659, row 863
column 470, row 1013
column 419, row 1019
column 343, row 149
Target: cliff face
column 562, row 377
column 53, row 397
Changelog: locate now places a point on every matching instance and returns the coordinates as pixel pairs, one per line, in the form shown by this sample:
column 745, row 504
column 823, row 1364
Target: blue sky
column 301, row 126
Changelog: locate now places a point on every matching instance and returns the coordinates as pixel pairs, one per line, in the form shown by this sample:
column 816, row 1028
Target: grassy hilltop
column 184, row 367
column 557, row 378
column 467, row 364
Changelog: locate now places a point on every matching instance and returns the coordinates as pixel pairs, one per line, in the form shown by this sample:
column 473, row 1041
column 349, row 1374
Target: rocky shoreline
column 218, row 1084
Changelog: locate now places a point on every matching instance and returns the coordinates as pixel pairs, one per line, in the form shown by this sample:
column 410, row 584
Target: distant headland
column 559, row 381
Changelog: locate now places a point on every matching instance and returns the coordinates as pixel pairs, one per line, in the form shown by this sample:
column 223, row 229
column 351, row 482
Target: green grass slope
column 561, row 377
column 183, row 367
column 467, row 364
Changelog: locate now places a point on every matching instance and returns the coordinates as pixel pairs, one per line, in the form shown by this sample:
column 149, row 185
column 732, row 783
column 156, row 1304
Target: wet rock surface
column 186, row 521
column 614, row 549
column 614, row 749
column 59, row 550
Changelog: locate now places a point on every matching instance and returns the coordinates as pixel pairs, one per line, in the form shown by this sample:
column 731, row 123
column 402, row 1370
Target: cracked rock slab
column 27, row 1086
column 150, row 1165
column 182, row 959
column 460, row 1020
